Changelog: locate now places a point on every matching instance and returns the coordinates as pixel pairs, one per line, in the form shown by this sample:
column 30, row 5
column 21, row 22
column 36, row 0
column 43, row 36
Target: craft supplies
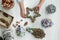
column 36, row 32
column 51, row 8
column 17, row 23
column 20, row 31
column 5, row 19
column 14, row 25
column 46, row 23
column 8, row 4
column 33, row 18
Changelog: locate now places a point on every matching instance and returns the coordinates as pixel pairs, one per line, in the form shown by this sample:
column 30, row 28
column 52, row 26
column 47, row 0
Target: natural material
column 5, row 19
column 46, row 23
column 51, row 8
column 37, row 32
column 33, row 18
column 25, row 23
column 20, row 31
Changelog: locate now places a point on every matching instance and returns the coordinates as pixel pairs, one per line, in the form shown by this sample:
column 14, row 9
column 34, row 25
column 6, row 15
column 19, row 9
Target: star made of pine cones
column 33, row 18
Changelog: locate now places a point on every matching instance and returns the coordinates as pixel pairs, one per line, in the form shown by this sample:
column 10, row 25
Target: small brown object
column 18, row 22
column 25, row 23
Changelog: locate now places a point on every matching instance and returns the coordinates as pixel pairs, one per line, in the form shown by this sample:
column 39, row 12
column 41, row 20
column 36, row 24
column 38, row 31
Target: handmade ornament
column 51, row 8
column 46, row 23
column 35, row 15
column 8, row 4
column 7, row 35
column 20, row 31
column 5, row 19
column 37, row 32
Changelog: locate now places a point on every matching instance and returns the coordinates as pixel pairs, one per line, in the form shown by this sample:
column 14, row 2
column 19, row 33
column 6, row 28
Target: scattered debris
column 5, row 19
column 17, row 23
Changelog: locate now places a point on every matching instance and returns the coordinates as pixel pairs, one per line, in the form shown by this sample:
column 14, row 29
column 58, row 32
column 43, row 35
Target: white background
column 52, row 33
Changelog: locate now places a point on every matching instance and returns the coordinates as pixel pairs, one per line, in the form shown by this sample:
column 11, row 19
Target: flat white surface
column 52, row 33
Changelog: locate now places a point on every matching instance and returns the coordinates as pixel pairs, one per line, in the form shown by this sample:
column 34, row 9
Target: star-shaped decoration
column 34, row 12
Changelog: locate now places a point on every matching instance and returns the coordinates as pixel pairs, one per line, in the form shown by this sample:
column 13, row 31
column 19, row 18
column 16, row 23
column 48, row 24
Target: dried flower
column 37, row 32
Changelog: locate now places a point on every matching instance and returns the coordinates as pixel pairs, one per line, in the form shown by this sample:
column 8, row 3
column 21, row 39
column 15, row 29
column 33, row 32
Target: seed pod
column 25, row 23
